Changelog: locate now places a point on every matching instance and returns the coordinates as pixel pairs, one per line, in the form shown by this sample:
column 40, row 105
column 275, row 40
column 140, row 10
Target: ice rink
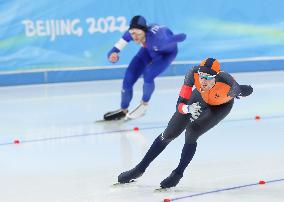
column 63, row 156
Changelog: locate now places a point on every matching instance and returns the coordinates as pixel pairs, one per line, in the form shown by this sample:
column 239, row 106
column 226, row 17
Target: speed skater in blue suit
column 158, row 50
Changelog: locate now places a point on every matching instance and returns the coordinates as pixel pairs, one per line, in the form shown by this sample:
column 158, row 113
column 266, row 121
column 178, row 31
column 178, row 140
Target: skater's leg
column 158, row 65
column 134, row 70
column 207, row 120
column 155, row 68
column 175, row 127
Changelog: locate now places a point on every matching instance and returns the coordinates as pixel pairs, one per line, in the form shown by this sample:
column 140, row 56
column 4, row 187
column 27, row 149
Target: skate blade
column 111, row 121
column 170, row 190
column 162, row 189
column 128, row 117
column 122, row 184
column 123, row 120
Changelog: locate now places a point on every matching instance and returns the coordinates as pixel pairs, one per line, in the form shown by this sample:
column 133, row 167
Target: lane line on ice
column 224, row 189
column 119, row 131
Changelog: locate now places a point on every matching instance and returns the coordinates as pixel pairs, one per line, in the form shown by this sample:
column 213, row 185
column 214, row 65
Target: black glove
column 246, row 90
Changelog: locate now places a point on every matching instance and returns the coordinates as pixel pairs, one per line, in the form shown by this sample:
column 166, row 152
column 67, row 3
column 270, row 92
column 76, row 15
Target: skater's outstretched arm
column 236, row 89
column 113, row 54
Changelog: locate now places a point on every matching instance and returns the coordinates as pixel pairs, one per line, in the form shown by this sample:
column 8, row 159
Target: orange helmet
column 210, row 66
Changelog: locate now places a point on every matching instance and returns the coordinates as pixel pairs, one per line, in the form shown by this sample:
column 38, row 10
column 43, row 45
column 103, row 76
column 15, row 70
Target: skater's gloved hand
column 194, row 109
column 246, row 90
column 113, row 55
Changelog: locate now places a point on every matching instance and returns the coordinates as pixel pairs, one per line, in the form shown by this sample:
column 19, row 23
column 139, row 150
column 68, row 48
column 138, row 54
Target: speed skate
column 121, row 116
column 123, row 120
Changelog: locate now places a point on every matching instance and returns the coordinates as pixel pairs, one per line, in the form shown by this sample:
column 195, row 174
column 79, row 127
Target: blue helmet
column 138, row 22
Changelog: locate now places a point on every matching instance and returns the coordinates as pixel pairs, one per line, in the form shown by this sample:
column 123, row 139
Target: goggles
column 135, row 31
column 206, row 77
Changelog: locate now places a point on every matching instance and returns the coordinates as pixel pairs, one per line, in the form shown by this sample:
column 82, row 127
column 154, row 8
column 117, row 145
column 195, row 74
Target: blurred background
column 55, row 81
column 51, row 41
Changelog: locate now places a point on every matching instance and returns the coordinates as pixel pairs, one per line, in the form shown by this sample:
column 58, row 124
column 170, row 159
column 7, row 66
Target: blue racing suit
column 155, row 55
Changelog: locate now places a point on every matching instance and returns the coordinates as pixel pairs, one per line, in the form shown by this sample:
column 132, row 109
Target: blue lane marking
column 124, row 130
column 65, row 137
column 223, row 190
